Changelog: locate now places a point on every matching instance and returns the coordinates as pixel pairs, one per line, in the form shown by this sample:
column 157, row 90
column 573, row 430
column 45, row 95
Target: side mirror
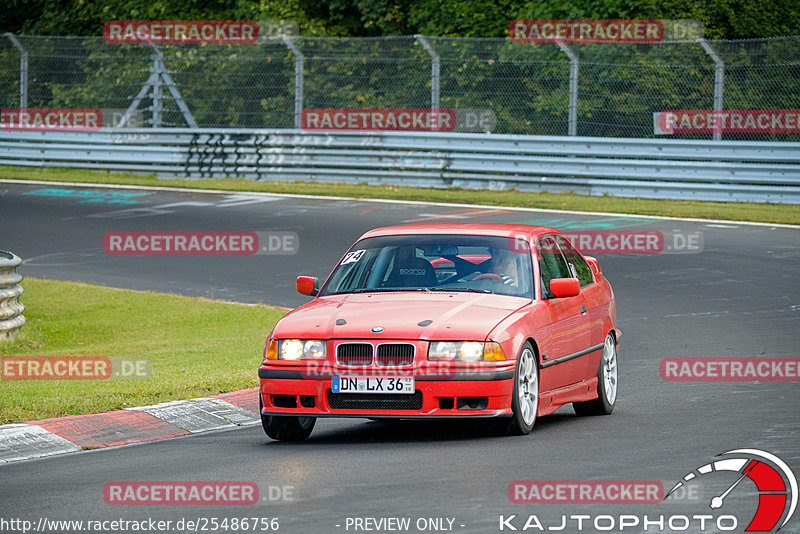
column 308, row 285
column 565, row 287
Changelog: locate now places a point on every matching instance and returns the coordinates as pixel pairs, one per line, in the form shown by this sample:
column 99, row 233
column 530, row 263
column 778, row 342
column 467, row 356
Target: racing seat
column 413, row 272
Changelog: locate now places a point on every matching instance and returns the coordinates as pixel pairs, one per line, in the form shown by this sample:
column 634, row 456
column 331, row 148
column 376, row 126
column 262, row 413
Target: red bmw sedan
column 445, row 321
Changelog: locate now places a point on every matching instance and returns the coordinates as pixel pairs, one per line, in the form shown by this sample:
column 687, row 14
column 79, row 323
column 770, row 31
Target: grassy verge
column 195, row 347
column 736, row 211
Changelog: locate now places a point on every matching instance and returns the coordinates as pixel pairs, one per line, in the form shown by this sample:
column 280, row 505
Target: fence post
column 719, row 81
column 574, row 63
column 23, row 70
column 157, row 105
column 435, row 70
column 299, row 70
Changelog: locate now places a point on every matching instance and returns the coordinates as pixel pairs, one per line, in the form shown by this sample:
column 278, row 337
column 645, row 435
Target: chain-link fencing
column 598, row 90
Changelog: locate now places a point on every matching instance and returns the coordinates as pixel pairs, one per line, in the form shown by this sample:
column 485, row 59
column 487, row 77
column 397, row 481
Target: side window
column 577, row 265
column 551, row 262
column 354, row 273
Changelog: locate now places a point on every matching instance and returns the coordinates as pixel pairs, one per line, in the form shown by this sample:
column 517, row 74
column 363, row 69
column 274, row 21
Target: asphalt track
column 738, row 297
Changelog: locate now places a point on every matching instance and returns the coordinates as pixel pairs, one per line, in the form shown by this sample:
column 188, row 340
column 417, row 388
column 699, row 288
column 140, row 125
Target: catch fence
column 494, row 85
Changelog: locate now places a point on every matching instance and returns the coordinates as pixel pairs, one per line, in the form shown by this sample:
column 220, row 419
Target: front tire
column 286, row 427
column 525, row 399
column 607, row 383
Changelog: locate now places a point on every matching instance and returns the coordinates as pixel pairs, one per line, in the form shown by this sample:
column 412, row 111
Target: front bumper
column 456, row 394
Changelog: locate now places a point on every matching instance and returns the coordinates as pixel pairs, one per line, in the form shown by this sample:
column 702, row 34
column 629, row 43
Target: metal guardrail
column 11, row 318
column 750, row 171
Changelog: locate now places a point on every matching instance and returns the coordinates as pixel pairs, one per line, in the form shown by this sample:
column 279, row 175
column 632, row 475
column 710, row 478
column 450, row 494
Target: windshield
column 484, row 264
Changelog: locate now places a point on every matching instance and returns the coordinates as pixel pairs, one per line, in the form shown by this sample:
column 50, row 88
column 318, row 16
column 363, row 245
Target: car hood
column 452, row 316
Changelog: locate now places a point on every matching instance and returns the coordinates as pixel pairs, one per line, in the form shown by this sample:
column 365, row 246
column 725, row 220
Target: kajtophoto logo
column 774, row 480
column 771, row 495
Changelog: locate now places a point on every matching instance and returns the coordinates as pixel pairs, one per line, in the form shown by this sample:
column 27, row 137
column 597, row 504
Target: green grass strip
column 195, row 347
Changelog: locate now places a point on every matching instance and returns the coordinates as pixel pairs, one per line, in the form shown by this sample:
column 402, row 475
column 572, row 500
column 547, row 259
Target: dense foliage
column 723, row 19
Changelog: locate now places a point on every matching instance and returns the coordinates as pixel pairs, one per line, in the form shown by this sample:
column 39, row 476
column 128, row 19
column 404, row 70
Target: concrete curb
column 62, row 435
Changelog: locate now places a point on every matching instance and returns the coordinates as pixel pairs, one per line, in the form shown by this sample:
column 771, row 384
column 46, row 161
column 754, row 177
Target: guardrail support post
column 299, row 71
column 23, row 70
column 435, row 70
column 160, row 76
column 574, row 63
column 719, row 80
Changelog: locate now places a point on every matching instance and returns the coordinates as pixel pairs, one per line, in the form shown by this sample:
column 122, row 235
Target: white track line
column 393, row 201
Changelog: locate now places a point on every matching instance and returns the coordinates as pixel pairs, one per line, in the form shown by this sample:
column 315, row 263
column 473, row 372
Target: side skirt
column 553, row 400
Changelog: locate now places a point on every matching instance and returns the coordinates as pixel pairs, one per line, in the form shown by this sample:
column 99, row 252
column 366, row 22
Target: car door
column 564, row 347
column 594, row 299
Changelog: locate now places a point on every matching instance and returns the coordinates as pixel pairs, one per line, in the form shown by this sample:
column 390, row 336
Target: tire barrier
column 11, row 318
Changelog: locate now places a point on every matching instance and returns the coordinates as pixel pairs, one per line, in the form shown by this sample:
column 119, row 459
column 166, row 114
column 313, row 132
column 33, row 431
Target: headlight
column 296, row 349
column 465, row 351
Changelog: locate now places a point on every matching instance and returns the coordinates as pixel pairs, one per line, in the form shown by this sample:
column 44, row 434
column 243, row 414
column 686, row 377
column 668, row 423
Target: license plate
column 372, row 384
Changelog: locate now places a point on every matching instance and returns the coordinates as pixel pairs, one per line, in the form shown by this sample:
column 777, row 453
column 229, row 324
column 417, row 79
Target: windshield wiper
column 470, row 289
column 397, row 289
column 379, row 290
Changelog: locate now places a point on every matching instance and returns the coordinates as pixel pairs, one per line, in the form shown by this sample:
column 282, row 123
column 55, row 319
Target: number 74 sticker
column 352, row 257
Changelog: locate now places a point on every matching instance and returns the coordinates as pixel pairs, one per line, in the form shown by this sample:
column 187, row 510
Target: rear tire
column 286, row 427
column 607, row 383
column 525, row 399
